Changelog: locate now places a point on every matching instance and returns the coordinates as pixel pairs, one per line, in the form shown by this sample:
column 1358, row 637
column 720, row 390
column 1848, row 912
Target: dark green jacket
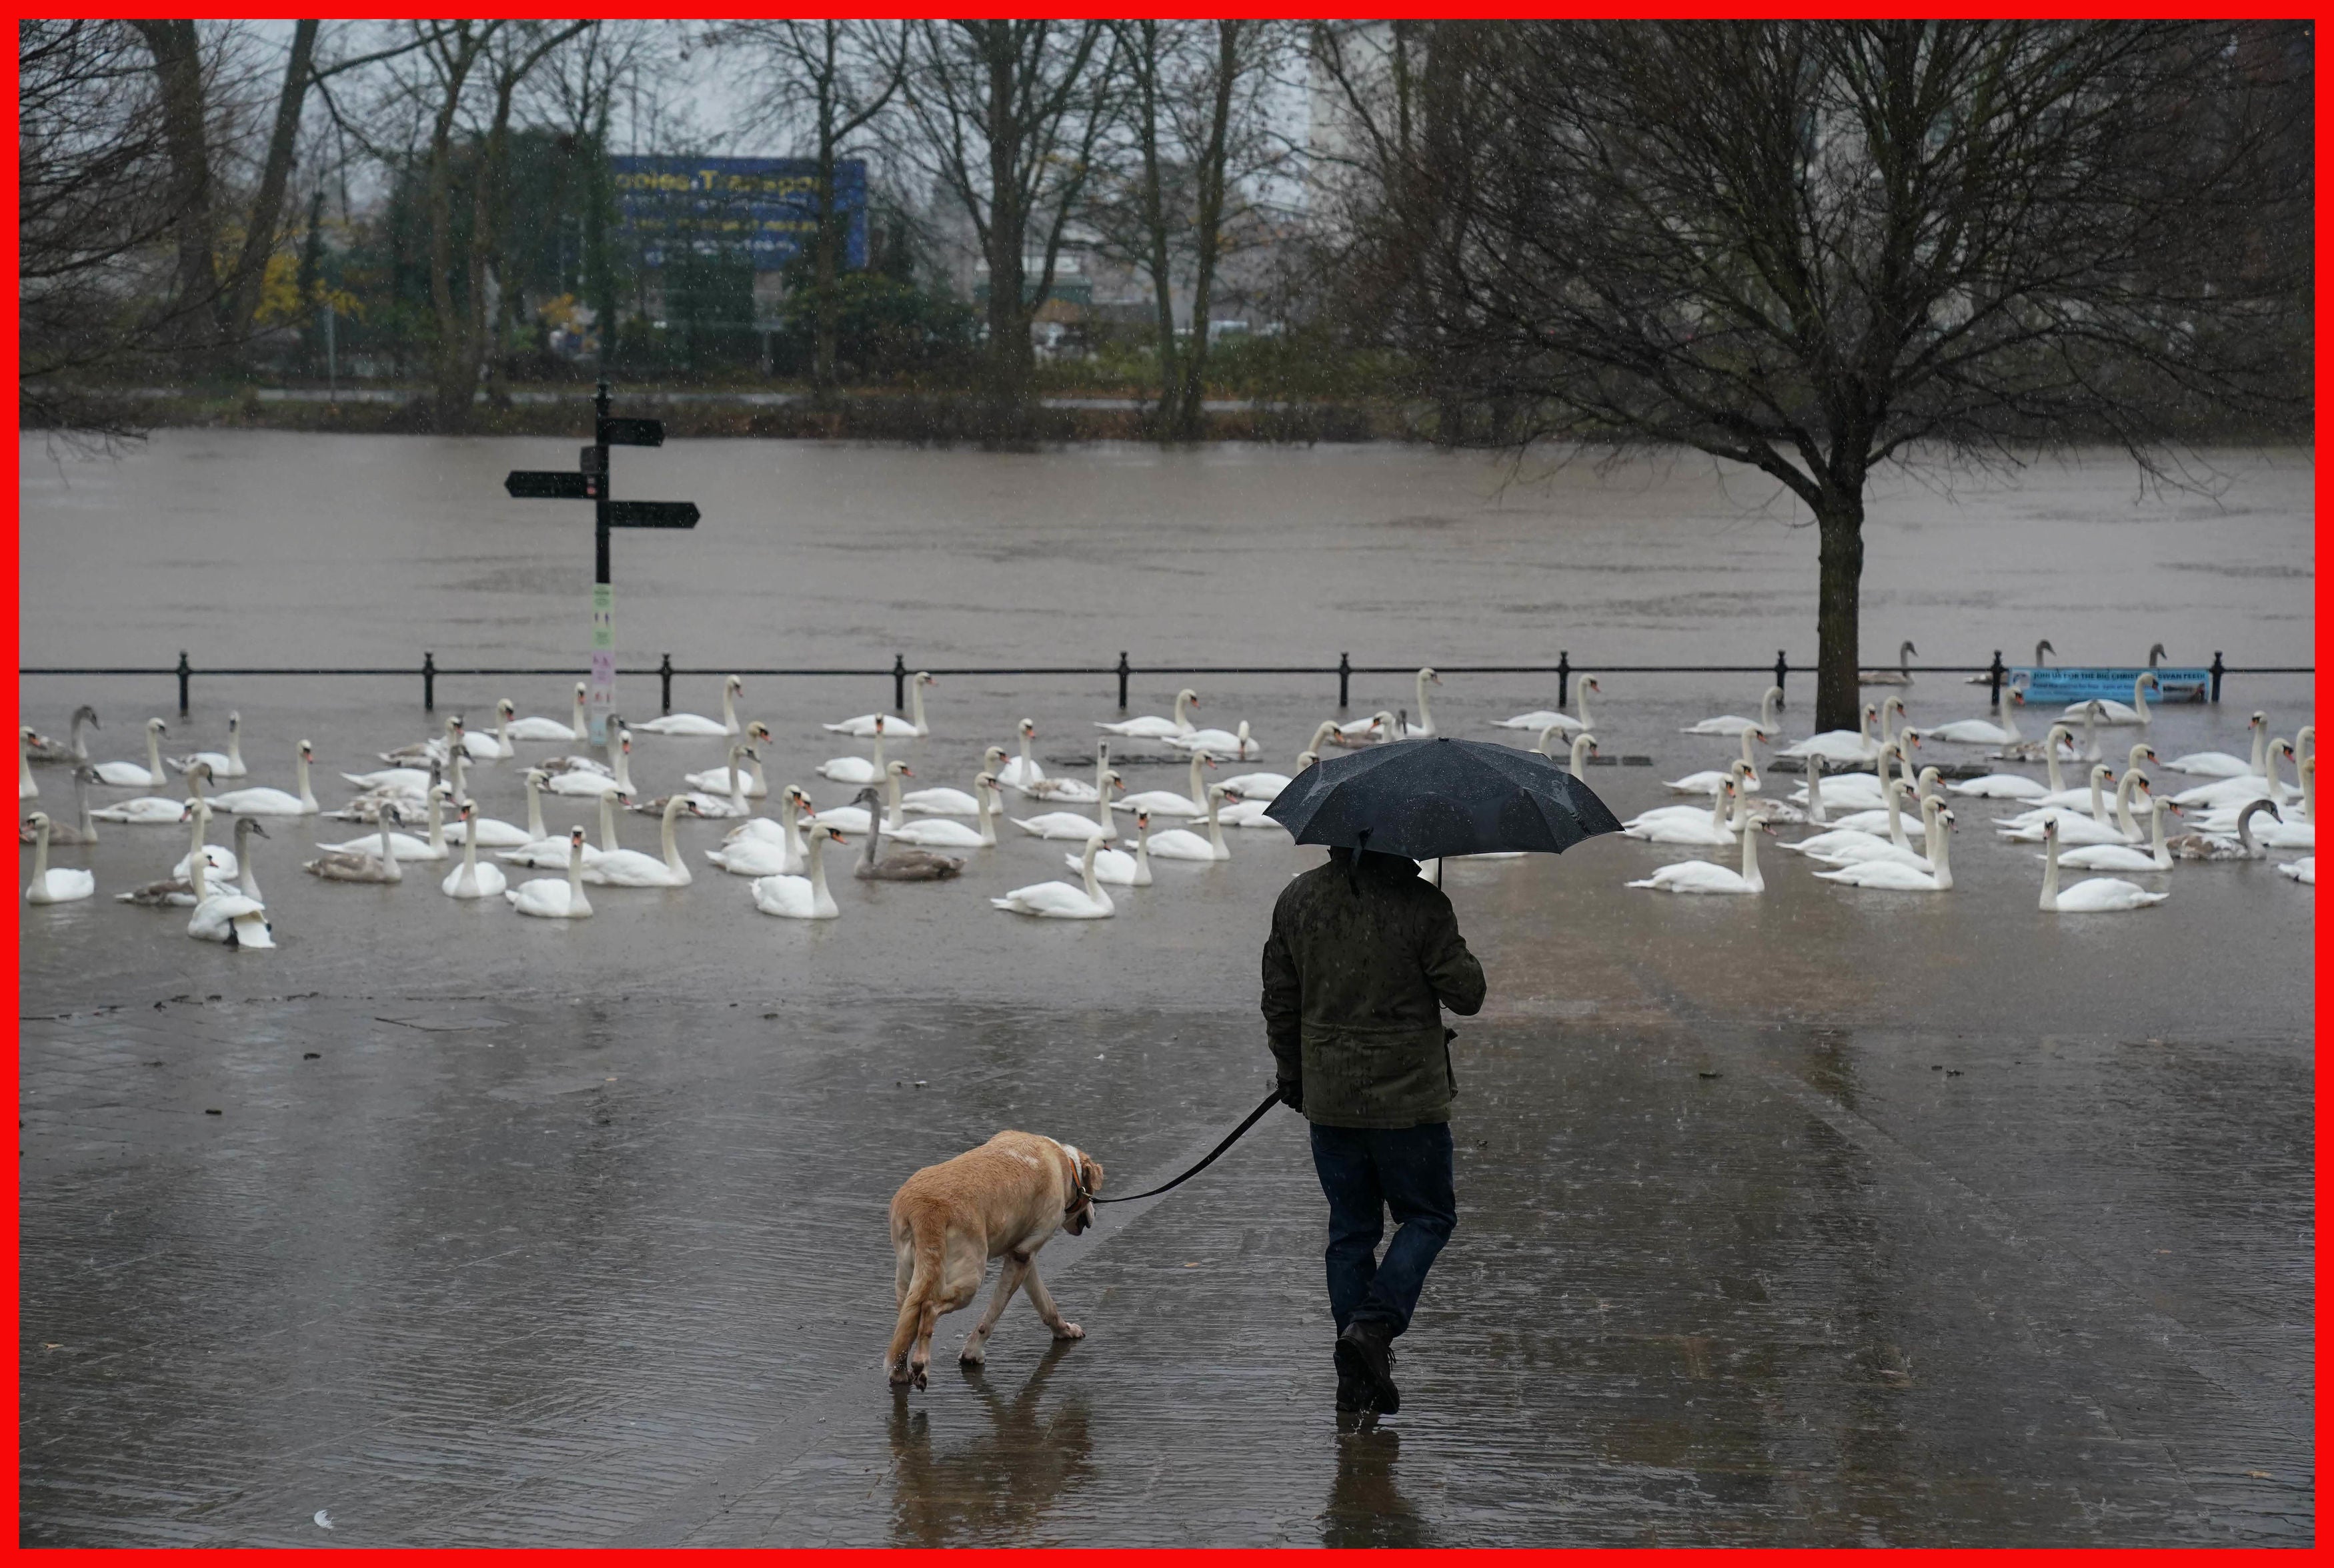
column 1356, row 972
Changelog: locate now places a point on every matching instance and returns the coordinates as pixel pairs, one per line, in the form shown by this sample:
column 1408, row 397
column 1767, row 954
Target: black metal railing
column 1345, row 669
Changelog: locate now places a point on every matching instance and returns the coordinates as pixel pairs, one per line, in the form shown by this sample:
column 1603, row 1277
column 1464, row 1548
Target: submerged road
column 1820, row 1218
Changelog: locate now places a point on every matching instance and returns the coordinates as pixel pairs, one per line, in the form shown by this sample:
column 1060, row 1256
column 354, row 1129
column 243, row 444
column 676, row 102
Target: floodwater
column 1825, row 1218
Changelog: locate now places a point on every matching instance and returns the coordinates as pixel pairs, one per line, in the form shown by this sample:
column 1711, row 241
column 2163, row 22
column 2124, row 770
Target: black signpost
column 591, row 481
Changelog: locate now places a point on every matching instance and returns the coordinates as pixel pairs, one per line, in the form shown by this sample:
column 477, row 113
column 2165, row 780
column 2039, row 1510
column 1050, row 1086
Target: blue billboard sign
column 766, row 207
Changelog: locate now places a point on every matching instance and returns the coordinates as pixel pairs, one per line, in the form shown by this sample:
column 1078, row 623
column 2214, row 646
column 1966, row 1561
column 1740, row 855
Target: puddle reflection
column 986, row 1485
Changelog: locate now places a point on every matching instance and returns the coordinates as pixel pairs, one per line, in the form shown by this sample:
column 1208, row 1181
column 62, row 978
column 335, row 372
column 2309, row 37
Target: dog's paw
column 1068, row 1331
column 900, row 1376
column 917, row 1377
column 973, row 1356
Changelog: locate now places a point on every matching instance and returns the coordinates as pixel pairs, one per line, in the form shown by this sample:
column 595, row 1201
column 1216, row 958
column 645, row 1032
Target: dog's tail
column 921, row 1283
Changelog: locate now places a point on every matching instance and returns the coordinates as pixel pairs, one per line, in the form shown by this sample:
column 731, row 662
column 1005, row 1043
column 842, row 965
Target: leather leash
column 1231, row 1137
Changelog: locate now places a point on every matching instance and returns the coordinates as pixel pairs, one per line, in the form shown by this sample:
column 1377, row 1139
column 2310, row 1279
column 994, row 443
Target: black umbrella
column 1430, row 798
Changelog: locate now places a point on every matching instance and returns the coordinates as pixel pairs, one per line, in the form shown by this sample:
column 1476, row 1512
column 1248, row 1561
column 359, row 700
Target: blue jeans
column 1365, row 1172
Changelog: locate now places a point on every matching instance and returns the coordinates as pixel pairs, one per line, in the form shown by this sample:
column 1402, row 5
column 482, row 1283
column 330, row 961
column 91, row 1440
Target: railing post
column 1125, row 669
column 664, row 675
column 899, row 683
column 1564, row 677
column 2219, row 669
column 1345, row 681
column 1993, row 676
column 1782, row 670
column 187, row 673
column 428, row 682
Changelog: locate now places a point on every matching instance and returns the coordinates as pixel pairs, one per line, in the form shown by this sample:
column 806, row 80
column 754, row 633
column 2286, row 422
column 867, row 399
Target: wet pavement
column 1825, row 1218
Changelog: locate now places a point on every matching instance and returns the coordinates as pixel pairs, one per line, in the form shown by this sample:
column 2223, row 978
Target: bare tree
column 1197, row 139
column 1005, row 118
column 466, row 61
column 96, row 193
column 1813, row 248
column 581, row 82
column 829, row 80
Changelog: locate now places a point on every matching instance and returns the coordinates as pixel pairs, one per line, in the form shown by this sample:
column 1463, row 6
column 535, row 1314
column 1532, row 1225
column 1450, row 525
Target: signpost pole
column 602, row 695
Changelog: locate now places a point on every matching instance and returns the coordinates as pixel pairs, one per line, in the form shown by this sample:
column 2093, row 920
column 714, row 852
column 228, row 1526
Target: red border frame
column 2325, row 139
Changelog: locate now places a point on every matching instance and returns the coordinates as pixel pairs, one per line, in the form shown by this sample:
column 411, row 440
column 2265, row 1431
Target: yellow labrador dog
column 1003, row 1199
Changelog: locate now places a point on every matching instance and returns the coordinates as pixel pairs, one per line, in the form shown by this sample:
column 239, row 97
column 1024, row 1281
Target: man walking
column 1362, row 957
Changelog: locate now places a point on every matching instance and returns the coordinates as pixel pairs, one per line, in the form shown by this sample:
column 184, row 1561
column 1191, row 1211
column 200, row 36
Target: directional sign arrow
column 633, row 432
column 653, row 514
column 548, row 484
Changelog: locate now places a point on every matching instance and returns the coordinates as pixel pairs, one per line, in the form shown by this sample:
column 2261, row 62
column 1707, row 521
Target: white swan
column 940, row 833
column 691, row 724
column 942, row 801
column 759, row 847
column 1735, row 724
column 733, row 778
column 1859, row 829
column 1239, row 812
column 860, row 770
column 542, row 851
column 494, row 745
column 620, row 868
column 1023, row 771
column 2231, row 792
column 913, row 724
column 800, row 898
column 855, row 819
column 416, row 753
column 82, row 830
column 1710, row 779
column 27, row 787
column 228, row 764
column 2303, row 871
column 1840, row 745
column 1117, row 867
column 492, row 832
column 618, row 780
column 1069, row 791
column 122, row 774
column 2237, row 792
column 259, row 801
column 1735, row 772
column 1167, row 802
column 1542, row 718
column 1264, row 787
column 1853, row 848
column 2089, row 795
column 2073, row 829
column 551, row 729
column 2113, row 712
column 405, row 846
column 1862, row 790
column 2093, row 895
column 227, row 915
column 64, row 884
column 2017, row 786
column 1978, row 731
column 2204, row 846
column 377, row 865
column 1070, row 825
column 1182, row 844
column 2221, row 764
column 1690, row 830
column 1059, row 900
column 1150, row 727
column 2125, row 857
column 551, row 898
column 1703, row 877
column 470, row 880
column 1238, row 745
column 1897, row 876
column 1423, row 728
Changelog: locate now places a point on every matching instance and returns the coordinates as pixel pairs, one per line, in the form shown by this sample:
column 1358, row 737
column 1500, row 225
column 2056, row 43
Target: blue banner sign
column 766, row 207
column 2081, row 683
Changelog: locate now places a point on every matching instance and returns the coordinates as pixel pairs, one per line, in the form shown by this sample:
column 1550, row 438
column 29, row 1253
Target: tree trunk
column 250, row 275
column 179, row 67
column 827, row 242
column 1839, row 525
column 1011, row 358
column 1154, row 221
column 1208, row 234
